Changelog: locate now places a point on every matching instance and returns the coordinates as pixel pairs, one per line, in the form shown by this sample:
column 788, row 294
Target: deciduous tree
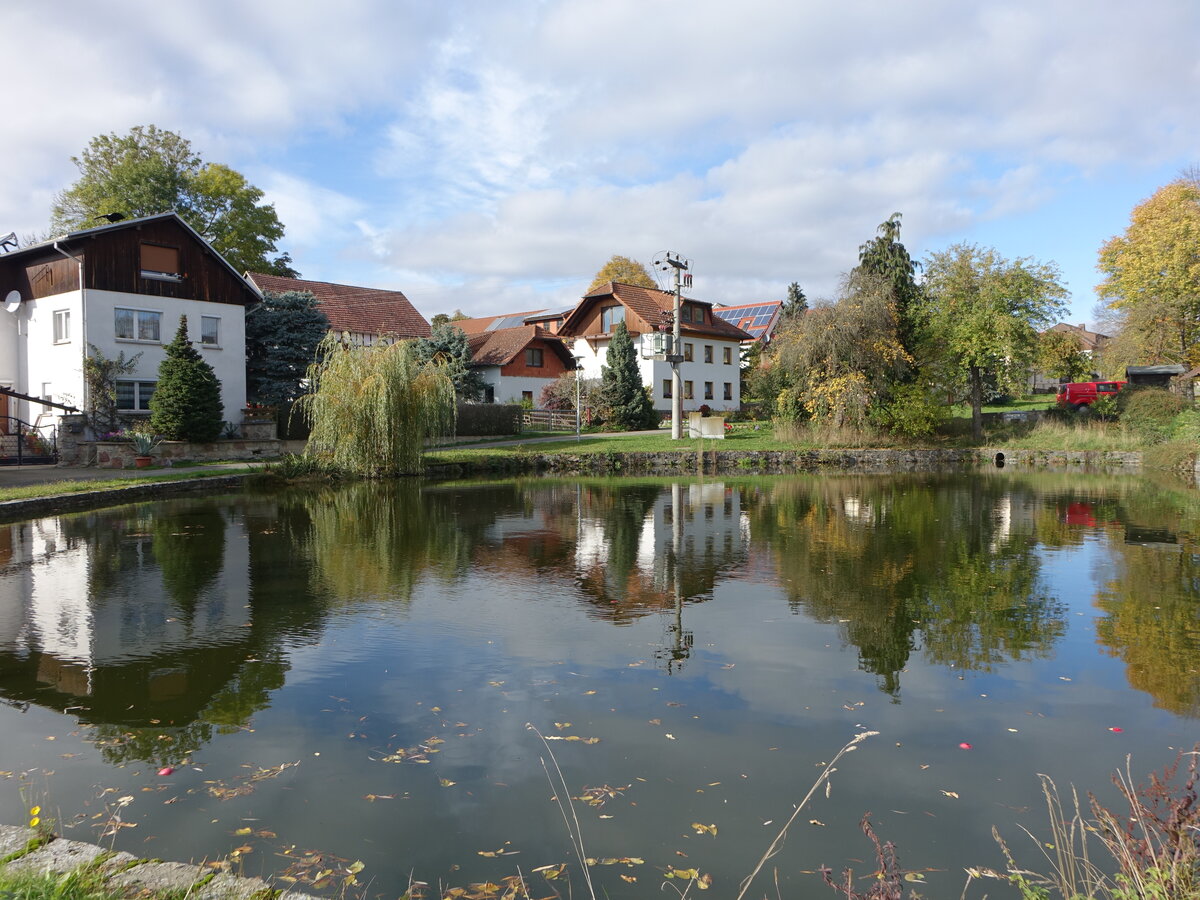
column 152, row 170
column 1152, row 277
column 624, row 270
column 982, row 313
column 1059, row 356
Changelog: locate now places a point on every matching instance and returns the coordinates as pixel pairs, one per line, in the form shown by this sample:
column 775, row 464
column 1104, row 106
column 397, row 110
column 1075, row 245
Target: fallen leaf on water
column 446, row 782
column 242, row 831
column 561, row 725
column 631, row 879
column 953, row 794
column 700, row 828
column 588, row 693
column 656, row 721
column 669, row 737
column 816, row 822
column 704, row 882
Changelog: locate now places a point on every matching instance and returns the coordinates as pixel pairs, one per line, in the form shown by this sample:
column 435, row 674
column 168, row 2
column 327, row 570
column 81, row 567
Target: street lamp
column 578, row 369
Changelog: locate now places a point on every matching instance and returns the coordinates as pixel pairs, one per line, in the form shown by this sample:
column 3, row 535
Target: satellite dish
column 11, row 301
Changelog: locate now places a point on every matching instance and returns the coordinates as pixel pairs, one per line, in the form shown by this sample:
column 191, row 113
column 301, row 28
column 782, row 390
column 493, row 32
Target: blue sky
column 490, row 156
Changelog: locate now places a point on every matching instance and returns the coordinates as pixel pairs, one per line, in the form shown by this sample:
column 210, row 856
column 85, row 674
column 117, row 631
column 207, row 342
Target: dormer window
column 610, row 316
column 160, row 263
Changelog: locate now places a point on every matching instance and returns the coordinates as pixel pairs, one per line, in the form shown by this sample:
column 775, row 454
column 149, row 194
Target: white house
column 118, row 288
column 710, row 370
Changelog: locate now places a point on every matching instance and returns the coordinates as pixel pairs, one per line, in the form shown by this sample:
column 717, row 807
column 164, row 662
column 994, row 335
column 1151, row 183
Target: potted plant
column 143, row 446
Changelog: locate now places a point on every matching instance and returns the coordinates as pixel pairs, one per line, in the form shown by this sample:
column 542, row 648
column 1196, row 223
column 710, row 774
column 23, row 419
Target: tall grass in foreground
column 1154, row 846
column 375, row 407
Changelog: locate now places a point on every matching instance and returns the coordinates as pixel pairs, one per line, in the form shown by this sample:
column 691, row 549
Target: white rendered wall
column 654, row 372
column 54, row 369
column 228, row 360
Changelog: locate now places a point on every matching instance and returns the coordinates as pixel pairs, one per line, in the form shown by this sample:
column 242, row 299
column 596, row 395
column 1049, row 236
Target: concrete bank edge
column 24, row 850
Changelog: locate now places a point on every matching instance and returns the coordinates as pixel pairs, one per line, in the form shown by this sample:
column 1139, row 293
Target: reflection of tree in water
column 902, row 563
column 1152, row 621
column 368, row 540
column 189, row 546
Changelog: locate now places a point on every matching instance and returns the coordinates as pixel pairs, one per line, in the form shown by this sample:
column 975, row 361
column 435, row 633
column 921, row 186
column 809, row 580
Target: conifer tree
column 626, row 404
column 186, row 405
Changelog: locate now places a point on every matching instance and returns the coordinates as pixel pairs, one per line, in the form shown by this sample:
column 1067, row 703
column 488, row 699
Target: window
column 134, row 395
column 489, row 394
column 666, row 388
column 728, row 390
column 210, row 331
column 534, row 357
column 138, row 324
column 727, row 355
column 685, row 313
column 62, row 326
column 698, row 314
column 689, row 352
column 708, row 395
column 708, row 357
column 687, row 390
column 160, row 263
column 610, row 316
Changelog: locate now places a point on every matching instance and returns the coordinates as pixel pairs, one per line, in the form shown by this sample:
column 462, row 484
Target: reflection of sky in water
column 501, row 611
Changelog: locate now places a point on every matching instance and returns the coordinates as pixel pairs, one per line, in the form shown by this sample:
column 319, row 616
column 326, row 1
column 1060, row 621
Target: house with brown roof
column 1090, row 342
column 517, row 363
column 365, row 314
column 115, row 289
column 710, row 371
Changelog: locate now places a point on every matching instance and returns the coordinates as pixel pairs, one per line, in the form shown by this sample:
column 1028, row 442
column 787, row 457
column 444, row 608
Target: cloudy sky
column 491, row 156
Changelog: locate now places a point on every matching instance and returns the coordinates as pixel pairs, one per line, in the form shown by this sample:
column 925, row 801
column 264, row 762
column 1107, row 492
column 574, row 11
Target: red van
column 1079, row 394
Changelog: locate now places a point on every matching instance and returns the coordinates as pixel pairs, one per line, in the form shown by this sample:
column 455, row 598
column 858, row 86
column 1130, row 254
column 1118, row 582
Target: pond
column 331, row 682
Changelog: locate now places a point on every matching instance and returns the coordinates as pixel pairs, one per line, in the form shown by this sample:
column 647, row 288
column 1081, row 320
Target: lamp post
column 578, row 369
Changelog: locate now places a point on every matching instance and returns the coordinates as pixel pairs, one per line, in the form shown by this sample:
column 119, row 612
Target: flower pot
column 142, row 462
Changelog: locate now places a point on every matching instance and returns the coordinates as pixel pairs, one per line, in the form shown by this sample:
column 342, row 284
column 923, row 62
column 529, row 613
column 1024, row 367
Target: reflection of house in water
column 128, row 616
column 644, row 548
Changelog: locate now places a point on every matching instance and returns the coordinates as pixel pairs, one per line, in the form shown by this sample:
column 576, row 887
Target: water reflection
column 165, row 624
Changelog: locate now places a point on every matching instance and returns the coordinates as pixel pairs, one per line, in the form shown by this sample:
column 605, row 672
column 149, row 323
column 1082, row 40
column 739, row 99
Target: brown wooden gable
column 128, row 258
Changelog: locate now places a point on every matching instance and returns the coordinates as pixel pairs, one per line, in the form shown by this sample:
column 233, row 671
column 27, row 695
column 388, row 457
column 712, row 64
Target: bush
column 484, row 419
column 1150, row 412
column 912, row 410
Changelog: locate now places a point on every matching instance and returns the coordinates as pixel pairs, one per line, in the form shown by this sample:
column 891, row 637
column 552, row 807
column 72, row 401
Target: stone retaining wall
column 26, row 850
column 782, row 462
column 17, row 510
column 120, row 454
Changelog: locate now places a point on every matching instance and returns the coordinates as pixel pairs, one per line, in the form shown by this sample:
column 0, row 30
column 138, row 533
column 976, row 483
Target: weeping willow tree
column 374, row 407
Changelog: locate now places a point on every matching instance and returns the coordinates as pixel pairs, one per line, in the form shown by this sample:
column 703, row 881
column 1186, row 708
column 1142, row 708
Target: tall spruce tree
column 282, row 334
column 186, row 405
column 626, row 403
column 885, row 257
column 796, row 304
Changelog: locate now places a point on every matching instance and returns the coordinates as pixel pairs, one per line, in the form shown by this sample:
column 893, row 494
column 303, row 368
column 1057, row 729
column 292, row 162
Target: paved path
column 19, row 476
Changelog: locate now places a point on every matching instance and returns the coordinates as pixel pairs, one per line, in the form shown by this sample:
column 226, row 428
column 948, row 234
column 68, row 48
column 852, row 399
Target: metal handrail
column 22, row 432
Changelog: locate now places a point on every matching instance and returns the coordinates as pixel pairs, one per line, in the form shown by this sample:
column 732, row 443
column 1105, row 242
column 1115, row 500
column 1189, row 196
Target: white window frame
column 214, row 344
column 62, row 326
column 137, row 315
column 137, row 395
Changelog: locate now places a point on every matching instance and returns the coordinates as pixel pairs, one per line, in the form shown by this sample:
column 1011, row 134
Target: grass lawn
column 1020, row 404
column 57, row 488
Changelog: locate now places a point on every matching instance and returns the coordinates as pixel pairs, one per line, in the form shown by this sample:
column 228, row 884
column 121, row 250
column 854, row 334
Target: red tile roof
column 500, row 347
column 359, row 310
column 650, row 304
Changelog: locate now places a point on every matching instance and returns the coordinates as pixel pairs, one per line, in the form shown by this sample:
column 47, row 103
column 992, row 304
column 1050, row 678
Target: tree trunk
column 976, row 404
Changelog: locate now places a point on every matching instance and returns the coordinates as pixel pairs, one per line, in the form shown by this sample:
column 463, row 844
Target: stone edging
column 28, row 851
column 11, row 510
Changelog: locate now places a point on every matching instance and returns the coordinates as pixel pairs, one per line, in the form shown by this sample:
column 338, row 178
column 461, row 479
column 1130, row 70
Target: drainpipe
column 82, row 321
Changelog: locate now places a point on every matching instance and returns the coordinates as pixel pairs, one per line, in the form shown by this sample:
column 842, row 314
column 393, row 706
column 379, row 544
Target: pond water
column 342, row 679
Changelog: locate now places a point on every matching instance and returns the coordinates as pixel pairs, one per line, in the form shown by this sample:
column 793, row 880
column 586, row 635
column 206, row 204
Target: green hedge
column 485, row 419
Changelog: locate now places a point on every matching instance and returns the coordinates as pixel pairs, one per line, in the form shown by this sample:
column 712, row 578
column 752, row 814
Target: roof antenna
column 112, row 217
column 8, row 243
